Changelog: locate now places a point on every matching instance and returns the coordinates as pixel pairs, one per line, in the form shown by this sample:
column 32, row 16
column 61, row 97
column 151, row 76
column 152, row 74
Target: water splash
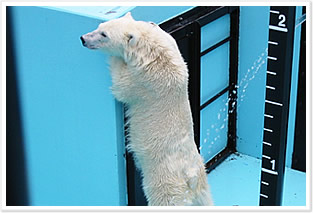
column 250, row 75
column 242, row 88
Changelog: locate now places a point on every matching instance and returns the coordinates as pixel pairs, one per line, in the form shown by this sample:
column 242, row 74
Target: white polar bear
column 150, row 76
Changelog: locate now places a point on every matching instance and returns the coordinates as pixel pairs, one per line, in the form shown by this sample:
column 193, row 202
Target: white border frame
column 309, row 81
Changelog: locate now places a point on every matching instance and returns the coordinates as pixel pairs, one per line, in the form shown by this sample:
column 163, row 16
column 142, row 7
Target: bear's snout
column 83, row 40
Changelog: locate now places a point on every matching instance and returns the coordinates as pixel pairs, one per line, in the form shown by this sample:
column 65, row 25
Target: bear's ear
column 128, row 15
column 132, row 39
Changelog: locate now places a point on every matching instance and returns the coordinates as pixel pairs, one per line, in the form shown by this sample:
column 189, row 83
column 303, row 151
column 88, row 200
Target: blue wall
column 253, row 32
column 73, row 140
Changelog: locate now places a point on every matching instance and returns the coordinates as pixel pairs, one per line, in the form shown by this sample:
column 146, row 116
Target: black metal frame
column 186, row 29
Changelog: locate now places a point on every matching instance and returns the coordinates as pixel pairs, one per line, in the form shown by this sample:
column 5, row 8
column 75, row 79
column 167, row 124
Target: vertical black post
column 16, row 172
column 194, row 77
column 299, row 155
column 279, row 68
column 233, row 78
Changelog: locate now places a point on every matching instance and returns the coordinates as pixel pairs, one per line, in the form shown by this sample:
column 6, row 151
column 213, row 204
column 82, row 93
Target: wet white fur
column 150, row 76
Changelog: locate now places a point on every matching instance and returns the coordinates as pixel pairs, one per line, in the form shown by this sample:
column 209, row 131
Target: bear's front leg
column 123, row 87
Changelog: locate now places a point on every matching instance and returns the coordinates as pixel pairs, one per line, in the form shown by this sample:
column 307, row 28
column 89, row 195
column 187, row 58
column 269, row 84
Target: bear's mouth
column 85, row 43
column 91, row 47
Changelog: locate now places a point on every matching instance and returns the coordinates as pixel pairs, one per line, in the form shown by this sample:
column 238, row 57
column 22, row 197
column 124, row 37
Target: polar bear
column 150, row 76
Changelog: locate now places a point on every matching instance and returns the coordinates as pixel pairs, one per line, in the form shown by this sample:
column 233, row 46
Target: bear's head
column 115, row 35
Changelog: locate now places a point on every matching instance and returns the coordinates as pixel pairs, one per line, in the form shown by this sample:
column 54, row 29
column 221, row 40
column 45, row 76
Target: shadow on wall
column 16, row 180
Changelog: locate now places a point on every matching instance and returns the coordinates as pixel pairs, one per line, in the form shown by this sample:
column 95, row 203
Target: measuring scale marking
column 272, row 58
column 270, row 171
column 270, row 87
column 274, row 11
column 273, row 102
column 265, row 183
column 278, row 28
column 267, row 157
column 267, row 143
column 268, row 116
column 271, row 73
column 273, row 42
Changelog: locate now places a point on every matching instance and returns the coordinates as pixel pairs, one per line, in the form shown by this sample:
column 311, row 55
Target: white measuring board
column 278, row 80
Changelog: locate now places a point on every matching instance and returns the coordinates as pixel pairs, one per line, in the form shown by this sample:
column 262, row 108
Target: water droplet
column 219, row 116
column 222, row 127
column 212, row 126
column 234, row 91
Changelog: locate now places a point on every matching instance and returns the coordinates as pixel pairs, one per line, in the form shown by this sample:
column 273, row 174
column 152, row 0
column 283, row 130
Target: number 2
column 282, row 19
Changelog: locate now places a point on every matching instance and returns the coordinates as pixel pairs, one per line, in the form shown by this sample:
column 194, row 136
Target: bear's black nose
column 83, row 40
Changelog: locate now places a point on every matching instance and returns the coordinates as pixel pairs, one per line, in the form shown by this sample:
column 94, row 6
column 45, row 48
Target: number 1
column 273, row 164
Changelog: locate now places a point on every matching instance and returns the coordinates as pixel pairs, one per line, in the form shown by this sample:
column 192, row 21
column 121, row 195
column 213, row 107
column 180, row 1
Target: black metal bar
column 203, row 15
column 214, row 97
column 212, row 15
column 215, row 46
column 194, row 71
column 280, row 54
column 233, row 79
column 299, row 150
column 218, row 159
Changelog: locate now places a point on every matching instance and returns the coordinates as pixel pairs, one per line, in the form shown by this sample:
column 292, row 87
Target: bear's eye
column 103, row 34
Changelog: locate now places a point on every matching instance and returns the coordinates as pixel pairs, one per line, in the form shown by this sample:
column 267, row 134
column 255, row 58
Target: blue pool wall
column 253, row 37
column 73, row 139
column 72, row 125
